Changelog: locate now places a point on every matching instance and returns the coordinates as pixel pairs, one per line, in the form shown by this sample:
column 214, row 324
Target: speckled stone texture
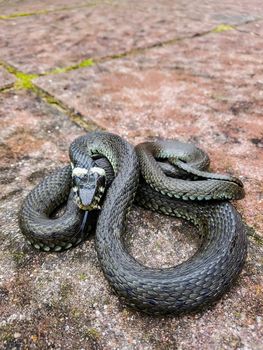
column 206, row 88
column 18, row 7
column 6, row 79
column 184, row 91
column 67, row 37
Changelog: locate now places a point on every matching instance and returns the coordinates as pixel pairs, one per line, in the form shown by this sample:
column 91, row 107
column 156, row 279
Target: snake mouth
column 89, row 200
column 89, row 187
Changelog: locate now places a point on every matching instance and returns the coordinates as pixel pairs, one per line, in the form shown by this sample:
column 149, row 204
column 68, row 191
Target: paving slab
column 216, row 55
column 207, row 90
column 39, row 43
column 5, row 78
column 63, row 301
column 23, row 8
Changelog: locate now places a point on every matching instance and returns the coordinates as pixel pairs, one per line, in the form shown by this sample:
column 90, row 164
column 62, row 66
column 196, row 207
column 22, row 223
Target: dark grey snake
column 181, row 172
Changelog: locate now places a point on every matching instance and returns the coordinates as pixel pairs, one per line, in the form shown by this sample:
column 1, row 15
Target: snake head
column 88, row 186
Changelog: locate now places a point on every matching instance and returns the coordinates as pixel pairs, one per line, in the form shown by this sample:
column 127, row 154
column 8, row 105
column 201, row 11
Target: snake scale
column 169, row 177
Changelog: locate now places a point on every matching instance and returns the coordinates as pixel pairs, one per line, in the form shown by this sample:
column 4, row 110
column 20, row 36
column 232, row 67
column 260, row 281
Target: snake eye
column 76, row 180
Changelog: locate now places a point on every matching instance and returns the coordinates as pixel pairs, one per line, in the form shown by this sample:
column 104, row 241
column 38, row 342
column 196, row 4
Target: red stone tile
column 188, row 91
column 34, row 139
column 238, row 52
column 40, row 43
column 13, row 7
column 5, row 78
column 47, row 296
column 203, row 99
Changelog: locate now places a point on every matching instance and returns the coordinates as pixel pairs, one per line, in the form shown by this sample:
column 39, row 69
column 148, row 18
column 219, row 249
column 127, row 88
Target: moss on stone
column 23, row 14
column 82, row 277
column 24, row 81
column 6, row 332
column 66, row 289
column 47, row 11
column 251, row 232
column 51, row 100
column 92, row 333
column 75, row 313
column 18, row 257
column 85, row 63
column 222, row 28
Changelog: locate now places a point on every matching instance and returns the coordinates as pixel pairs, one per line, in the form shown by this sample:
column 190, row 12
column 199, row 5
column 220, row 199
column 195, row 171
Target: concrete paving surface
column 187, row 69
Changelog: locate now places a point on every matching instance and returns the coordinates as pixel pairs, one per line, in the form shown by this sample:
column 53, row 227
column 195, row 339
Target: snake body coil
column 183, row 288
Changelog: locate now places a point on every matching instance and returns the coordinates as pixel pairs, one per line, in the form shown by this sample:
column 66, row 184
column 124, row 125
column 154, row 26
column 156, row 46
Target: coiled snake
column 106, row 169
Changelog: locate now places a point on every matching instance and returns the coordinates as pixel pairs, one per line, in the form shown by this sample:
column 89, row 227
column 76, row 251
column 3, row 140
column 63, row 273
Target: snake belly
column 193, row 284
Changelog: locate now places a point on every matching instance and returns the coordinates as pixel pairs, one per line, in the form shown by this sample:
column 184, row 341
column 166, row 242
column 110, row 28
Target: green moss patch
column 222, row 28
column 24, row 81
column 23, row 14
column 85, row 63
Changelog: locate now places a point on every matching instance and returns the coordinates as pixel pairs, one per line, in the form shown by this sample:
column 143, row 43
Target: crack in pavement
column 25, row 80
column 59, row 9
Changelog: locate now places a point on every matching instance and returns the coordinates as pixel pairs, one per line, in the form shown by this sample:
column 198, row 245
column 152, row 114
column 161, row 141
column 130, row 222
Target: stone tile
column 207, row 90
column 40, row 43
column 214, row 55
column 63, row 300
column 12, row 7
column 5, row 78
column 147, row 96
column 33, row 139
